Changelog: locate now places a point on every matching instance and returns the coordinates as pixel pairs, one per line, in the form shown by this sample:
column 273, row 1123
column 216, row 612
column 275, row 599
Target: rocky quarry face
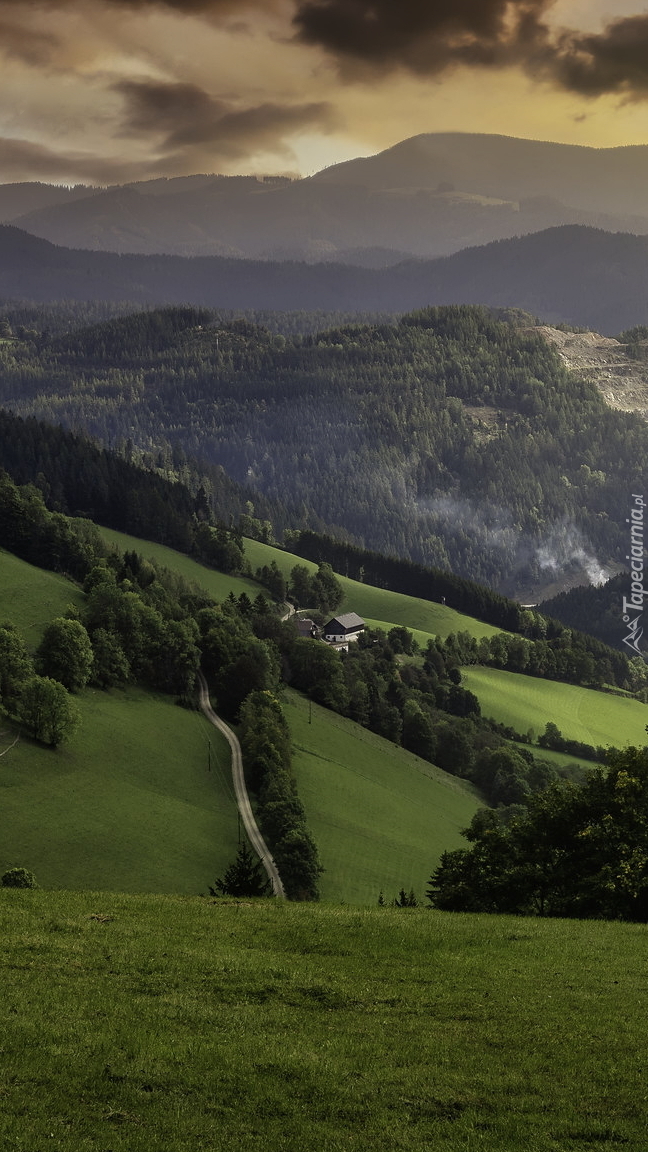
column 622, row 381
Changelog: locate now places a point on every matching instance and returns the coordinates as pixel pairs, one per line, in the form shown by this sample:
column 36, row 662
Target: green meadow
column 218, row 584
column 31, row 597
column 140, row 800
column 381, row 817
column 132, row 1023
column 525, row 702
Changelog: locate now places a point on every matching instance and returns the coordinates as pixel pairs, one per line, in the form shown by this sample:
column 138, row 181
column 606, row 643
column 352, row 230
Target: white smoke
column 491, row 525
column 564, row 547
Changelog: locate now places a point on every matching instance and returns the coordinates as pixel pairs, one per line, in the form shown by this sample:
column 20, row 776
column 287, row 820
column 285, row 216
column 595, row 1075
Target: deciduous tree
column 65, row 653
column 46, row 710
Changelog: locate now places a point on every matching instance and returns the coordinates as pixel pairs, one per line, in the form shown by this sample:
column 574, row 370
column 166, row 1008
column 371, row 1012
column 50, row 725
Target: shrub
column 19, row 878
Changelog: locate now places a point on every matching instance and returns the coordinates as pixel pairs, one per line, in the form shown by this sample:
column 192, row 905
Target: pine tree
column 245, row 877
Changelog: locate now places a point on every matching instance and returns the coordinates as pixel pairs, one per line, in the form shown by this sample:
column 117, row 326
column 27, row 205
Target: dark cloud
column 179, row 125
column 614, row 61
column 432, row 36
column 182, row 7
column 426, row 36
column 184, row 116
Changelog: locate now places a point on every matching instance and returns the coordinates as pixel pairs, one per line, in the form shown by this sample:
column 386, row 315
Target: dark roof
column 304, row 627
column 348, row 622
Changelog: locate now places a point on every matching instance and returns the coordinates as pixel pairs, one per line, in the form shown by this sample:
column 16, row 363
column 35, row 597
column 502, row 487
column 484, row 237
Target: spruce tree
column 245, row 877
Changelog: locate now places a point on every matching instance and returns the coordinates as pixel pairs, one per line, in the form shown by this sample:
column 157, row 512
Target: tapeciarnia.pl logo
column 633, row 606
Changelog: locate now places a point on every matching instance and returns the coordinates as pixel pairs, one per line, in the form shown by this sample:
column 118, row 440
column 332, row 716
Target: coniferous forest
column 452, row 437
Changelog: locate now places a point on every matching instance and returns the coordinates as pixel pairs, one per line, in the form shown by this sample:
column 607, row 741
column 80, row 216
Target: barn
column 342, row 629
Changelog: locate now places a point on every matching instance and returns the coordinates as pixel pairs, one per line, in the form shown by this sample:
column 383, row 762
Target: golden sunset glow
column 101, row 91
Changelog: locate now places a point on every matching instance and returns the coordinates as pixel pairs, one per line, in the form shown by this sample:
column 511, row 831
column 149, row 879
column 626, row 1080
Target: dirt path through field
column 242, row 798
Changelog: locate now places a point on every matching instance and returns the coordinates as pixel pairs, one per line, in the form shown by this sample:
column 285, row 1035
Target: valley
column 416, row 451
column 381, row 816
column 323, row 665
column 372, row 431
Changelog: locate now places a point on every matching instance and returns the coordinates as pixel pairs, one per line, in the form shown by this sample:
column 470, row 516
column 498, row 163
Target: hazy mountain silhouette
column 583, row 276
column 432, row 195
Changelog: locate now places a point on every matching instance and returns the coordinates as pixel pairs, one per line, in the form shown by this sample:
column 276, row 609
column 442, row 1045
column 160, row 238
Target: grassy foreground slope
column 139, row 1023
column 381, row 817
column 580, row 713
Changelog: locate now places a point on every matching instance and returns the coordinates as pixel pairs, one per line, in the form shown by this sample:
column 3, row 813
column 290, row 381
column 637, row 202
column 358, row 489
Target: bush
column 19, row 878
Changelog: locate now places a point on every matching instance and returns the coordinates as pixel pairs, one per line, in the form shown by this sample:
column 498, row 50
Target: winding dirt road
column 242, row 798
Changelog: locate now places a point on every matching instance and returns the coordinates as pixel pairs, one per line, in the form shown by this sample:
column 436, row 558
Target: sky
column 109, row 91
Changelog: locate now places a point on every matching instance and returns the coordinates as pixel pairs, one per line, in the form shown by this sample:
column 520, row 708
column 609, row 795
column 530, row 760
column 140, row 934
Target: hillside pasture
column 140, row 800
column 30, row 597
column 380, row 607
column 524, row 702
column 217, row 584
column 381, row 817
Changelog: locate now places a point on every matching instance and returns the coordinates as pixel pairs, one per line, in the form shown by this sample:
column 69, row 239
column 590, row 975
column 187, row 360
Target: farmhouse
column 306, row 628
column 343, row 628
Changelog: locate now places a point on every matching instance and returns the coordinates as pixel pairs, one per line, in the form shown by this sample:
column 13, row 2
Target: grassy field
column 380, row 816
column 218, row 584
column 136, row 802
column 30, row 597
column 378, row 606
column 139, row 1023
column 580, row 713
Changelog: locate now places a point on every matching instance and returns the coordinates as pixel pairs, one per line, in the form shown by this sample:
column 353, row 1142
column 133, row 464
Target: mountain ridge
column 428, row 196
column 581, row 276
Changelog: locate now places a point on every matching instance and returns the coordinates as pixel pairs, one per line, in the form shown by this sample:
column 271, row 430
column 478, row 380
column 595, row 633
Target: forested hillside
column 572, row 274
column 453, row 437
column 138, row 623
column 594, row 608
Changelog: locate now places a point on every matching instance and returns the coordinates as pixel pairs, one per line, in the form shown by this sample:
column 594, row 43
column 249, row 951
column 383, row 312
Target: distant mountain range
column 429, row 196
column 582, row 276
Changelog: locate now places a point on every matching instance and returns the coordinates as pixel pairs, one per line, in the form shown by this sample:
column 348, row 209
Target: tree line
column 576, row 851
